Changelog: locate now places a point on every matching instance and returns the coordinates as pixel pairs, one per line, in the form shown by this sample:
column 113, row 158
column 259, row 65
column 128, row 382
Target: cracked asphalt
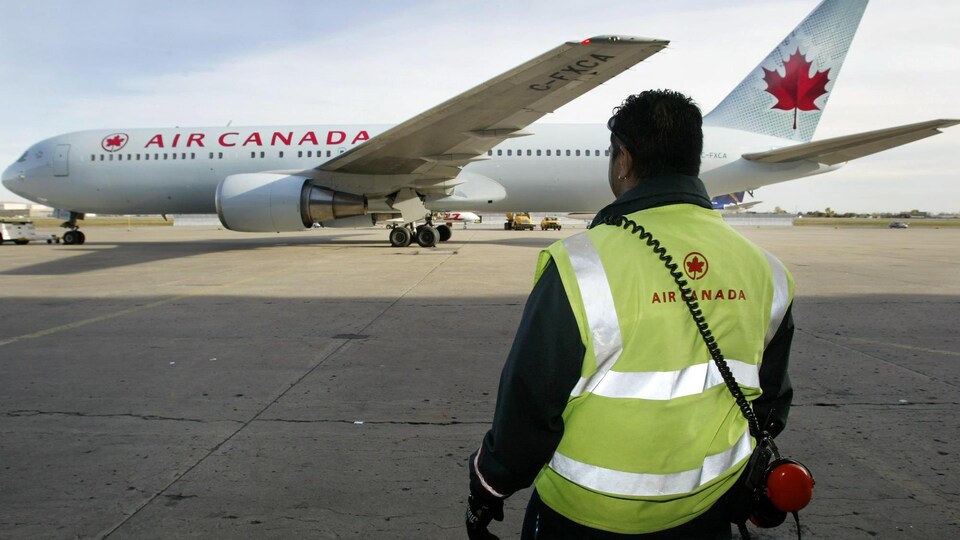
column 189, row 382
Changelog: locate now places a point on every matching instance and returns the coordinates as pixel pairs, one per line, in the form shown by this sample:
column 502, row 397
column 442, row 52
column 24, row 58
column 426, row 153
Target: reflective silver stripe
column 662, row 385
column 650, row 485
column 483, row 480
column 598, row 305
column 781, row 297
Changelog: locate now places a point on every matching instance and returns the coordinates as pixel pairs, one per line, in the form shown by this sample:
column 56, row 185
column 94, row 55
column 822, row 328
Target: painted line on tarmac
column 130, row 311
column 901, row 346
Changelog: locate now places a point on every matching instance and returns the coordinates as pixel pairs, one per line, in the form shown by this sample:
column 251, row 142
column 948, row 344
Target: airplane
column 733, row 202
column 464, row 217
column 479, row 151
column 445, row 217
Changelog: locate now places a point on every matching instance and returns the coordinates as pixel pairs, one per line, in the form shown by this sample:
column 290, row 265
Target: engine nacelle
column 266, row 202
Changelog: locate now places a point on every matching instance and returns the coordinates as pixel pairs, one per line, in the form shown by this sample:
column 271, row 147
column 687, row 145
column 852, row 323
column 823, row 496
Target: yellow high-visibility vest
column 652, row 436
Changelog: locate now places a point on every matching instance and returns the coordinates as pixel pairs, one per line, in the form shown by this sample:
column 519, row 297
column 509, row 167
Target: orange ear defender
column 789, row 485
column 788, row 489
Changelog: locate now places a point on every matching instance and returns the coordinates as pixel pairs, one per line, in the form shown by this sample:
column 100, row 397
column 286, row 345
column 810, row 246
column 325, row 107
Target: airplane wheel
column 83, row 237
column 400, row 237
column 427, row 236
column 71, row 237
column 445, row 232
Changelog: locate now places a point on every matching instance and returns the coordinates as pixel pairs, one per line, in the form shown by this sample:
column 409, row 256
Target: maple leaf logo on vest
column 695, row 265
column 796, row 90
column 114, row 142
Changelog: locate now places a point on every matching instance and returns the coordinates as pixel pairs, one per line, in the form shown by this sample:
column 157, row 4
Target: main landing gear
column 426, row 235
column 73, row 236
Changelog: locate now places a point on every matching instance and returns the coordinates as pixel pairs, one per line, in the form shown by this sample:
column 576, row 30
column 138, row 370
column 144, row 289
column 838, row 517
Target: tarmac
column 182, row 382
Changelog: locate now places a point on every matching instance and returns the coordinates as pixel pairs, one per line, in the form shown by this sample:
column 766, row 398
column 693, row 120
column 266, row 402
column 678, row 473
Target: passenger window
column 111, row 157
column 156, row 157
column 281, row 153
column 101, row 157
column 253, row 155
column 219, row 155
column 261, row 155
column 138, row 157
column 93, row 157
column 548, row 152
column 119, row 157
column 509, row 152
column 578, row 153
column 529, row 152
column 489, row 152
column 211, row 155
column 499, row 152
column 538, row 152
column 146, row 157
column 568, row 153
column 183, row 155
column 193, row 155
column 606, row 152
column 299, row 153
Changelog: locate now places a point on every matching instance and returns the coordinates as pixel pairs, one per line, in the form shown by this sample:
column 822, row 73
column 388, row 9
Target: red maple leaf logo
column 114, row 142
column 796, row 89
column 696, row 265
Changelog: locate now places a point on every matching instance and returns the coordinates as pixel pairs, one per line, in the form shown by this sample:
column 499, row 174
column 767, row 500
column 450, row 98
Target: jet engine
column 267, row 202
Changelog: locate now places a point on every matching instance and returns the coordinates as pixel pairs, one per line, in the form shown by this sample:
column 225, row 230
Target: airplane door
column 60, row 159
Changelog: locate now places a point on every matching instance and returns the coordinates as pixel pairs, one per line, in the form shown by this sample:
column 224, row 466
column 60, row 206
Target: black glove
column 479, row 515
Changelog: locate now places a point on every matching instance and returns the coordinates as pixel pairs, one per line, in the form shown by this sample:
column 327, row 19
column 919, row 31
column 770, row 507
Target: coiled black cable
column 694, row 307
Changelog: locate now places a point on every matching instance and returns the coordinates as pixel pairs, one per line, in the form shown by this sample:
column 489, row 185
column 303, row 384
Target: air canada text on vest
column 704, row 295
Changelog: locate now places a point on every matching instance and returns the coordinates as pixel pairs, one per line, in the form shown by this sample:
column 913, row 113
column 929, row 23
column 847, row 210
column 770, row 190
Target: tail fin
column 785, row 95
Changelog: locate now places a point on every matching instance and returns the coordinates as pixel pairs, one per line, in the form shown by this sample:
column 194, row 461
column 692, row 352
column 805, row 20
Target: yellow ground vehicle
column 518, row 221
column 550, row 222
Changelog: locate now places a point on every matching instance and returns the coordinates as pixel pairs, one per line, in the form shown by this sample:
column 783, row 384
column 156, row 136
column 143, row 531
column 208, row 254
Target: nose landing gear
column 73, row 236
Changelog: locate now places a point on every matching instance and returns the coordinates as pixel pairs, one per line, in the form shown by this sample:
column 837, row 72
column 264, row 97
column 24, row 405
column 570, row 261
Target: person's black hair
column 662, row 130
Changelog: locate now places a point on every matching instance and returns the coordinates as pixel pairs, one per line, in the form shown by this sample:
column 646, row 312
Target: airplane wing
column 849, row 147
column 433, row 146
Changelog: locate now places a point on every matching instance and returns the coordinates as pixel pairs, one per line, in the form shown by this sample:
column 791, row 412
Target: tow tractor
column 21, row 232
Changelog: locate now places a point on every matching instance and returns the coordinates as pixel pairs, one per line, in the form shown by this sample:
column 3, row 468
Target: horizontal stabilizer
column 850, row 147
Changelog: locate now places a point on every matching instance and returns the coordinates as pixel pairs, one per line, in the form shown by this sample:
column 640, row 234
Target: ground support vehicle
column 518, row 221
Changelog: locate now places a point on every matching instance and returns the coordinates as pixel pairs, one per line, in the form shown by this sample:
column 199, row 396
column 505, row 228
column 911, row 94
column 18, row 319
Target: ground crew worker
column 609, row 401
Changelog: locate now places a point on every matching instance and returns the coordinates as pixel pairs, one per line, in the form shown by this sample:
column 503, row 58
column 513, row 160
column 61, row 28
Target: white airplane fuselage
column 560, row 168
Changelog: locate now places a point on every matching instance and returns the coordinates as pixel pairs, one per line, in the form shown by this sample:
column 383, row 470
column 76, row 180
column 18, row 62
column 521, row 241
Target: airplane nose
column 12, row 176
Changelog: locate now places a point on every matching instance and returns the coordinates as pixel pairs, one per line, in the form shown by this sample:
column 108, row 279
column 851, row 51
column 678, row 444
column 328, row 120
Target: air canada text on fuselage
column 257, row 138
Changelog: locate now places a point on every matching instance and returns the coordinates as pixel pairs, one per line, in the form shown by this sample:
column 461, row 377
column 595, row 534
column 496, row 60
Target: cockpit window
column 23, row 157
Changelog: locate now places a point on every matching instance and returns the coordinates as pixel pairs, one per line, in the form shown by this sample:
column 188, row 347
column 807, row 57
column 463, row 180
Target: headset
column 777, row 485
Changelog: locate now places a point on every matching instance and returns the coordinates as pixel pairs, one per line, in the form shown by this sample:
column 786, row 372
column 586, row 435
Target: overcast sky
column 69, row 65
